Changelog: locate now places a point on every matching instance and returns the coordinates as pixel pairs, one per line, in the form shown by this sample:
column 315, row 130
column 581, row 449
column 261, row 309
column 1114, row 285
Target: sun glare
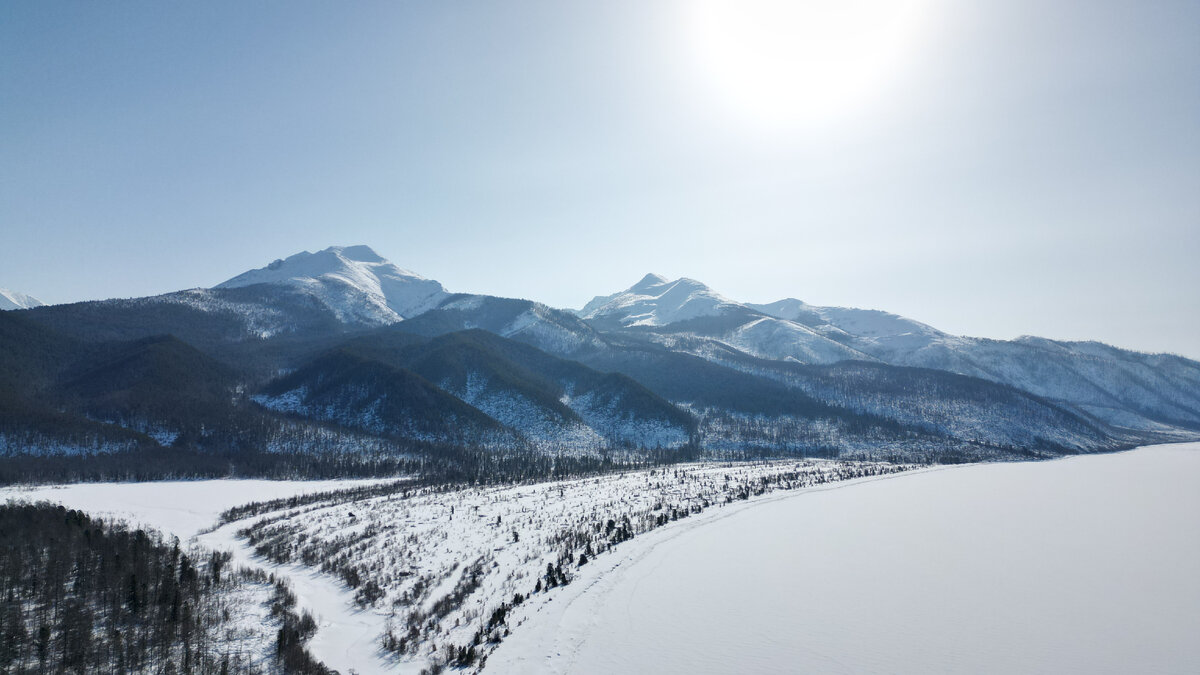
column 787, row 64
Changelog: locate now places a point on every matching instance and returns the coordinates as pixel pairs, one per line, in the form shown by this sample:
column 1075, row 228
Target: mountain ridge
column 340, row 358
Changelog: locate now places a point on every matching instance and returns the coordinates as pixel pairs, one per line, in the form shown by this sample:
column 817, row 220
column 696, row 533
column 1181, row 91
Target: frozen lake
column 1082, row 565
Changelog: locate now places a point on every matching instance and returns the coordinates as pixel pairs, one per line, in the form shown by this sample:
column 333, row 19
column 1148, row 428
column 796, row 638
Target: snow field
column 451, row 572
column 1079, row 565
column 179, row 508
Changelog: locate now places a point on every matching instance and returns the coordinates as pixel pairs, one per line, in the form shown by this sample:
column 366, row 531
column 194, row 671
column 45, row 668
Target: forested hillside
column 340, row 363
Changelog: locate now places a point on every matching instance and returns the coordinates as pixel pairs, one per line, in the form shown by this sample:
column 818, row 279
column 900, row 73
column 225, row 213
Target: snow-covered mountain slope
column 370, row 396
column 552, row 330
column 1125, row 389
column 654, row 301
column 971, row 409
column 554, row 403
column 663, row 364
column 768, row 337
column 869, row 409
column 871, row 331
column 686, row 306
column 1121, row 387
column 354, row 281
column 15, row 300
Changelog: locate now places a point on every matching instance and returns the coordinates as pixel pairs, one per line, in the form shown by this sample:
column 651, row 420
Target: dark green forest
column 81, row 595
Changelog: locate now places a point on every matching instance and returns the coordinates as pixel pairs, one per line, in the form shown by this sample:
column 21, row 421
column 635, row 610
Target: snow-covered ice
column 1080, row 565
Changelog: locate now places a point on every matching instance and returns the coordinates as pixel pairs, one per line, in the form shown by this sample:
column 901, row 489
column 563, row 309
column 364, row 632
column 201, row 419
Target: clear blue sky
column 1021, row 167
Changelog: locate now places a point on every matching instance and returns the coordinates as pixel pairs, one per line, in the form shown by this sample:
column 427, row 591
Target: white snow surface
column 870, row 330
column 1078, row 565
column 16, row 300
column 180, row 508
column 445, row 560
column 654, row 301
column 353, row 281
column 771, row 338
column 347, row 637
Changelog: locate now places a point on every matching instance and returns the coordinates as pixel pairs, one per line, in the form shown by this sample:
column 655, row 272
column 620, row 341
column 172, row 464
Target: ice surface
column 1080, row 565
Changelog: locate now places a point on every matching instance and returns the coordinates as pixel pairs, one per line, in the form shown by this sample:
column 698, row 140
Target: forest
column 81, row 595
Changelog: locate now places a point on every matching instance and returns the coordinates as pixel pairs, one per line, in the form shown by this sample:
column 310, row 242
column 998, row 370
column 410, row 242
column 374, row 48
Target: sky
column 993, row 168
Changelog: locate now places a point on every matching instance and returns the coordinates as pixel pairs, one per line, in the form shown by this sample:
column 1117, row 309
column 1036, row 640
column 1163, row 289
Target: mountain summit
column 14, row 300
column 655, row 301
column 358, row 284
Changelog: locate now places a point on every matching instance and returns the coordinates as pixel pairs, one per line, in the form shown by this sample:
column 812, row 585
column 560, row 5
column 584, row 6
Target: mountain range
column 341, row 359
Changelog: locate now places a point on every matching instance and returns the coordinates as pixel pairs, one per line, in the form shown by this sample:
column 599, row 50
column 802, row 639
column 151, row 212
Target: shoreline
column 584, row 628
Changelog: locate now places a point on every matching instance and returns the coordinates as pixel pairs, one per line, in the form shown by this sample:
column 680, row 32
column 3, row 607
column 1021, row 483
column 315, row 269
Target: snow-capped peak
column 358, row 284
column 655, row 301
column 15, row 300
column 649, row 281
column 360, row 253
column 788, row 308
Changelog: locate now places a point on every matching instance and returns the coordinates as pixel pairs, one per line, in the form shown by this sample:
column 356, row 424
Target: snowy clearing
column 179, row 508
column 1080, row 565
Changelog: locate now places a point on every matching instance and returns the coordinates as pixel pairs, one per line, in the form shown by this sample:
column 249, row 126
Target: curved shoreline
column 1042, row 572
column 554, row 632
column 606, row 572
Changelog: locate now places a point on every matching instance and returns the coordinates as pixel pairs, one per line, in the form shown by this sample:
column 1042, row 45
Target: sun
column 781, row 63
